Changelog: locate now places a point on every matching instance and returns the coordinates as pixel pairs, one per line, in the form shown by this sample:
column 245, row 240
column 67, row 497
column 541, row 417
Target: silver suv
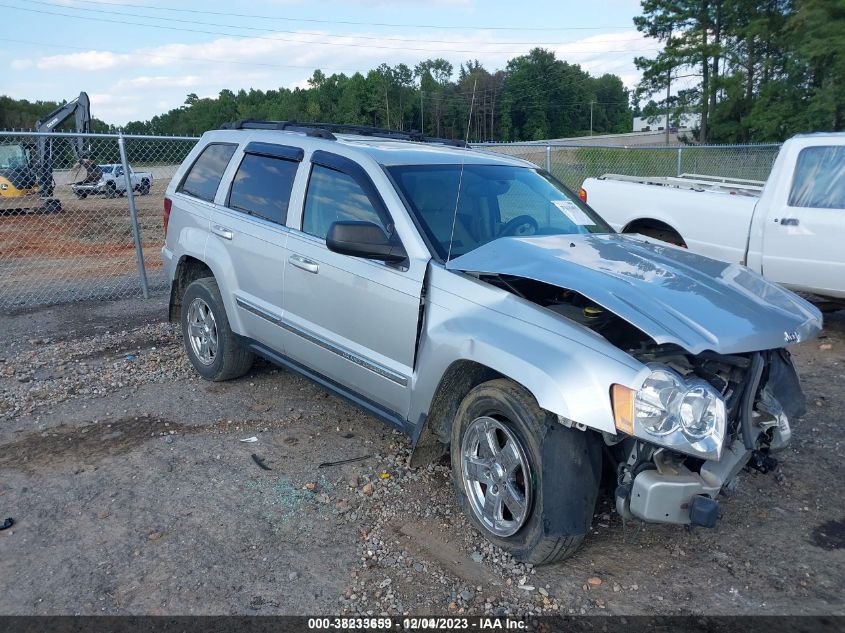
column 474, row 302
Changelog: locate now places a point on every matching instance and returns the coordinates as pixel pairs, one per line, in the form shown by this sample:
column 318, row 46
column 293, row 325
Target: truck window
column 205, row 174
column 334, row 197
column 262, row 187
column 819, row 181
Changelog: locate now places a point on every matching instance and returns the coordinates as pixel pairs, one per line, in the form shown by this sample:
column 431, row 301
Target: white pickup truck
column 790, row 228
column 109, row 180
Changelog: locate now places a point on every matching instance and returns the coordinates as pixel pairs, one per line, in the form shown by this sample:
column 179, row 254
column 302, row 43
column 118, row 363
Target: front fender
column 567, row 368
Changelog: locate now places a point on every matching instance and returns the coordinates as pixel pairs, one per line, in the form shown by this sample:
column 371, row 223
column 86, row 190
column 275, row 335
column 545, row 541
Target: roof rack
column 325, row 131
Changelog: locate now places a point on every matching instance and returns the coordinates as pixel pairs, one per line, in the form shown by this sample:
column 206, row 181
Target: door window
column 334, row 197
column 819, row 181
column 262, row 187
column 206, row 173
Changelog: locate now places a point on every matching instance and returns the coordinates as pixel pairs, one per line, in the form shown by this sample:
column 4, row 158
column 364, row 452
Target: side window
column 819, row 181
column 262, row 187
column 333, row 197
column 205, row 174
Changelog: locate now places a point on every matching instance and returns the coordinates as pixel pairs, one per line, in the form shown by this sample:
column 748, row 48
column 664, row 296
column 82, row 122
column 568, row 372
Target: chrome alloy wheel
column 496, row 476
column 202, row 331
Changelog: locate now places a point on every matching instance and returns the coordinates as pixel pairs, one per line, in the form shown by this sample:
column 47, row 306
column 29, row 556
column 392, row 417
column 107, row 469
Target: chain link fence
column 81, row 215
column 572, row 164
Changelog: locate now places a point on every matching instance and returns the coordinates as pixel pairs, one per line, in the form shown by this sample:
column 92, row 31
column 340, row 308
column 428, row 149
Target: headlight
column 685, row 415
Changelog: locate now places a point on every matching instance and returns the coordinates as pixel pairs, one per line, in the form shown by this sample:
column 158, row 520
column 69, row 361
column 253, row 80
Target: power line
column 280, row 39
column 399, row 39
column 353, row 23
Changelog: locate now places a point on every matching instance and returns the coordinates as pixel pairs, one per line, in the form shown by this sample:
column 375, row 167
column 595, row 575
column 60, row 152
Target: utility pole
column 591, row 117
column 422, row 120
column 668, row 88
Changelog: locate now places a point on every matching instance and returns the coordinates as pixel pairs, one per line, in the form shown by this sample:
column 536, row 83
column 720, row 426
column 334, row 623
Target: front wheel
column 111, row 190
column 144, row 189
column 212, row 347
column 526, row 482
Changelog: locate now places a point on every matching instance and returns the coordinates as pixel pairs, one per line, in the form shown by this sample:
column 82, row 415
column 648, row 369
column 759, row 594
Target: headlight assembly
column 685, row 415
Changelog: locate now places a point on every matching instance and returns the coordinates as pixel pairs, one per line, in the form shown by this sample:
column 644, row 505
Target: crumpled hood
column 672, row 295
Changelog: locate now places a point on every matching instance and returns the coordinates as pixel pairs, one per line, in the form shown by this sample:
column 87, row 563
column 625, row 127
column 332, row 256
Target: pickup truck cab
column 112, row 182
column 790, row 228
column 478, row 305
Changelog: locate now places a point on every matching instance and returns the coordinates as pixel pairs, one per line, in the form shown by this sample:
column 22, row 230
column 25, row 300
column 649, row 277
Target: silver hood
column 672, row 295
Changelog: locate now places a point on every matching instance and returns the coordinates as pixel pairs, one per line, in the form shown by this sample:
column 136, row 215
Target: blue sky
column 136, row 58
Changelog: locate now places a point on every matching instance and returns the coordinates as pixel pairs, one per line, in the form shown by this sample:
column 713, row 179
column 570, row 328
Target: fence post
column 549, row 157
column 678, row 169
column 133, row 215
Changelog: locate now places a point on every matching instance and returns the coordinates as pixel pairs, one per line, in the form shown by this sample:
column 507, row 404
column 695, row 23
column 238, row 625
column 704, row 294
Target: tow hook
column 762, row 462
column 703, row 511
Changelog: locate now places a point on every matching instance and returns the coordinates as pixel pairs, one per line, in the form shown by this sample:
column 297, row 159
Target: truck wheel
column 144, row 189
column 525, row 481
column 81, row 195
column 111, row 190
column 212, row 347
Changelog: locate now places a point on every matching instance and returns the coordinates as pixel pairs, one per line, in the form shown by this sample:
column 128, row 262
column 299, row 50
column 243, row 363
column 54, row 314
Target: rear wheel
column 212, row 347
column 526, row 482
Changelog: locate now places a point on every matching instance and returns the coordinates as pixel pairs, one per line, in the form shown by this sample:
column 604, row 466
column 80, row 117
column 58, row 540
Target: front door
column 352, row 320
column 804, row 234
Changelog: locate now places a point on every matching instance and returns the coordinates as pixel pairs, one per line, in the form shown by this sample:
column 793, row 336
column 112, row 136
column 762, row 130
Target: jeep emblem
column 791, row 337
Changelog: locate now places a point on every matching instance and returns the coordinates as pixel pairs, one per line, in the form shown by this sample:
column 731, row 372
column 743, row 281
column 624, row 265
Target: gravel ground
column 132, row 492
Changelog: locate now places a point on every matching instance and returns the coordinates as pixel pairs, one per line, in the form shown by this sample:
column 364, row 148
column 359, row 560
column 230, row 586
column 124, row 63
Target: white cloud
column 89, row 60
column 160, row 81
column 162, row 75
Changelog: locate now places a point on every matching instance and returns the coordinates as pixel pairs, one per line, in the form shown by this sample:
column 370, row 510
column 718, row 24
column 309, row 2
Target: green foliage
column 537, row 96
column 766, row 69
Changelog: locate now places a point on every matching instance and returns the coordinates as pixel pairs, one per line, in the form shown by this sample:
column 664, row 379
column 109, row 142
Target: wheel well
column 657, row 229
column 188, row 270
column 433, row 439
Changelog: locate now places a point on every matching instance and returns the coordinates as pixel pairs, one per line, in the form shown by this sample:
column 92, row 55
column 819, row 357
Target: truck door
column 804, row 235
column 352, row 320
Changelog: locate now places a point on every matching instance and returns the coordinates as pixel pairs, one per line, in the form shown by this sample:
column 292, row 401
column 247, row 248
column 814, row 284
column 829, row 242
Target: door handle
column 305, row 264
column 222, row 231
column 789, row 221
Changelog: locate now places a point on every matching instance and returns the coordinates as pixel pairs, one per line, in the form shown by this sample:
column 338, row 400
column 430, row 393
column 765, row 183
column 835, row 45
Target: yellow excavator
column 26, row 168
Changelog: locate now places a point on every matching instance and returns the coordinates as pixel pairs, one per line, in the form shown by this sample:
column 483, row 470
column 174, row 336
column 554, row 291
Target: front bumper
column 668, row 493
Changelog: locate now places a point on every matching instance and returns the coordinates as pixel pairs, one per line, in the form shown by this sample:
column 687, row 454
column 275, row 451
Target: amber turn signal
column 622, row 399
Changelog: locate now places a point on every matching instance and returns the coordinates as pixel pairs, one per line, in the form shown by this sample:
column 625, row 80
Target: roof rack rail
column 325, row 130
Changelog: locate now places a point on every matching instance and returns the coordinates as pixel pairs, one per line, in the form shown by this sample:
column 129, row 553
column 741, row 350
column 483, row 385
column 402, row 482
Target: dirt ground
column 132, row 493
column 84, row 251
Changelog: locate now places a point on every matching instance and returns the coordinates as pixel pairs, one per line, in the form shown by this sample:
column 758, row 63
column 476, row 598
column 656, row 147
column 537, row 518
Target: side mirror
column 364, row 239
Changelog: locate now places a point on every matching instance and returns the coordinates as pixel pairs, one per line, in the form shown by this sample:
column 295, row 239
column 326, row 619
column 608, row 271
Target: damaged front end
column 681, row 447
column 719, row 391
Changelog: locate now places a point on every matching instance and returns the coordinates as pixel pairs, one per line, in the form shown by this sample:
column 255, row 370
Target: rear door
column 248, row 232
column 803, row 237
column 351, row 320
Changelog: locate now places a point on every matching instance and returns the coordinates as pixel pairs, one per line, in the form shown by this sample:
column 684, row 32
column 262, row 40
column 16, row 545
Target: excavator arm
column 80, row 108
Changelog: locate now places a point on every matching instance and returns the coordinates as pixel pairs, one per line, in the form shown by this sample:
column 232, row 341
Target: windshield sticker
column 574, row 213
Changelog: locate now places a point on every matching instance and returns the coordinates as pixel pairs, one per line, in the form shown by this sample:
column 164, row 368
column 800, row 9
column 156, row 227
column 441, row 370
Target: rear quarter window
column 205, row 174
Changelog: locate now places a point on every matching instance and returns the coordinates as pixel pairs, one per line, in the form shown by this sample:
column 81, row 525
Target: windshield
column 496, row 201
column 13, row 157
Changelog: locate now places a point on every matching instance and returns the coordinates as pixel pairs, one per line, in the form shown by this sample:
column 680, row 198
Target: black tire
column 232, row 360
column 144, row 189
column 81, row 195
column 111, row 190
column 565, row 467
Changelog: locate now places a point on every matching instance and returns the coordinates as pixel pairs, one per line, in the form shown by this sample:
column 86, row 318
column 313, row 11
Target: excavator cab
column 26, row 169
